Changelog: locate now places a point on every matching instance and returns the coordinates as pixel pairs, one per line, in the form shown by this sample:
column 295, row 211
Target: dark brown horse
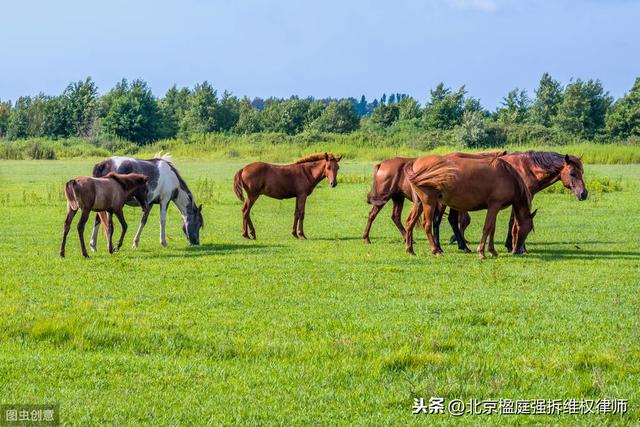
column 390, row 183
column 539, row 170
column 107, row 194
column 284, row 182
column 468, row 184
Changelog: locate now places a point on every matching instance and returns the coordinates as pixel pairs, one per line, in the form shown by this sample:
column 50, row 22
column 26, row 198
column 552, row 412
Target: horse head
column 331, row 168
column 192, row 224
column 571, row 176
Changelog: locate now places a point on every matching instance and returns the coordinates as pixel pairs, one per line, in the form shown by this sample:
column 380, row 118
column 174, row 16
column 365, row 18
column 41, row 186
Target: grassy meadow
column 327, row 331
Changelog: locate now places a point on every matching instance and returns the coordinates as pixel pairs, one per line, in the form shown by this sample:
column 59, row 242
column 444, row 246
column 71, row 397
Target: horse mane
column 549, row 160
column 166, row 157
column 313, row 158
column 523, row 190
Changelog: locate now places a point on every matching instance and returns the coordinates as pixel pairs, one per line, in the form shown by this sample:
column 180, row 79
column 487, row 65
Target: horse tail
column 374, row 198
column 70, row 194
column 438, row 174
column 103, row 221
column 238, row 184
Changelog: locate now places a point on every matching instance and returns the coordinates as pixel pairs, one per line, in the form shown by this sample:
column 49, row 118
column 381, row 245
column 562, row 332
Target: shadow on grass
column 562, row 254
column 219, row 249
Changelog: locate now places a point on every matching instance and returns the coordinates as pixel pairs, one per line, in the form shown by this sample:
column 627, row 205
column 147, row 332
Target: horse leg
column 83, row 220
column 143, row 221
column 65, row 229
column 252, row 230
column 489, row 228
column 372, row 216
column 464, row 219
column 430, row 210
column 94, row 233
column 416, row 210
column 438, row 213
column 396, row 215
column 123, row 224
column 110, row 234
column 296, row 218
column 509, row 241
column 163, row 221
column 453, row 219
column 301, row 202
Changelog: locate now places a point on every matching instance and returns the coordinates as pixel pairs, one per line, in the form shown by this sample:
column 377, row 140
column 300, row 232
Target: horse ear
column 200, row 207
column 339, row 158
column 326, row 156
column 533, row 214
column 566, row 158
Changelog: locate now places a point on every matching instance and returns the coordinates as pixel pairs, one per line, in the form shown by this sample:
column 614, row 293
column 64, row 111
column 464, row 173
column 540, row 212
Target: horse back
column 277, row 181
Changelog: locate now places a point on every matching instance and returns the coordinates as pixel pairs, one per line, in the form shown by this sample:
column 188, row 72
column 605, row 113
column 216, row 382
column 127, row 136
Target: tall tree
column 337, row 117
column 408, row 108
column 81, row 104
column 172, row 109
column 19, row 119
column 385, row 115
column 248, row 118
column 202, row 110
column 623, row 119
column 548, row 100
column 444, row 110
column 5, row 112
column 134, row 115
column 515, row 107
column 583, row 108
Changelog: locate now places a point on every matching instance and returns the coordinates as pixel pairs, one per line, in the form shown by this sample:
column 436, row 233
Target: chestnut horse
column 283, row 182
column 539, row 170
column 391, row 183
column 466, row 183
column 106, row 194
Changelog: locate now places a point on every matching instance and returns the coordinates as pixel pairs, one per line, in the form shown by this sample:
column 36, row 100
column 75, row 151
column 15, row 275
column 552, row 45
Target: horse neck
column 315, row 170
column 184, row 202
column 541, row 177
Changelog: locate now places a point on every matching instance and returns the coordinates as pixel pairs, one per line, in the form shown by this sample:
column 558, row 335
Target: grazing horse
column 283, row 182
column 391, row 183
column 469, row 184
column 165, row 185
column 539, row 170
column 107, row 194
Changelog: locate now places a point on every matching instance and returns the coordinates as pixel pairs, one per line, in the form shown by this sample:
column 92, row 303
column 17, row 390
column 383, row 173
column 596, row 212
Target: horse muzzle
column 333, row 184
column 583, row 196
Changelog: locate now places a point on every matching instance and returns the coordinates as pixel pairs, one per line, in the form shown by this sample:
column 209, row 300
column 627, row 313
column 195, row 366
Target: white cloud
column 482, row 5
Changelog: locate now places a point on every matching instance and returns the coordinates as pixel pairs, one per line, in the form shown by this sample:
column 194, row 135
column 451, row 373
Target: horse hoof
column 453, row 240
column 93, row 248
column 366, row 241
column 482, row 256
column 494, row 254
column 438, row 253
column 61, row 254
column 86, row 255
column 466, row 250
column 302, row 236
column 164, row 244
column 411, row 252
column 135, row 245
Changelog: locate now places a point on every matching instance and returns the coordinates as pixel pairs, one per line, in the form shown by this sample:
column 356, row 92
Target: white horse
column 164, row 185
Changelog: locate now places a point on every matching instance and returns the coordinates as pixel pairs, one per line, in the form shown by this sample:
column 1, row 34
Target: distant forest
column 579, row 110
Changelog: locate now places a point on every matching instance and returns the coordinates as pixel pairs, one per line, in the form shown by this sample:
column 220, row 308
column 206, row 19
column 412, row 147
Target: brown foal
column 107, row 194
column 283, row 182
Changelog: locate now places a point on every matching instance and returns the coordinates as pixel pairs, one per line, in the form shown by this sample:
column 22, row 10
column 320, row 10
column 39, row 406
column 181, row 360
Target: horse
column 539, row 170
column 107, row 194
column 467, row 184
column 283, row 182
column 164, row 185
column 391, row 183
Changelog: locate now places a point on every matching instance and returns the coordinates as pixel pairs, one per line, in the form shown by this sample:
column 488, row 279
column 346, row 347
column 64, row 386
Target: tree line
column 130, row 111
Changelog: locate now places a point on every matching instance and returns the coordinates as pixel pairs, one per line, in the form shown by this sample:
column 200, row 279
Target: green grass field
column 326, row 331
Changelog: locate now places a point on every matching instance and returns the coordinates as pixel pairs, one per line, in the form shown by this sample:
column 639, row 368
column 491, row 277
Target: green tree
column 583, row 108
column 5, row 113
column 623, row 119
column 472, row 129
column 409, row 108
column 385, row 115
column 228, row 112
column 548, row 100
column 248, row 118
column 286, row 116
column 81, row 107
column 19, row 119
column 515, row 107
column 56, row 120
column 337, row 117
column 444, row 110
column 202, row 110
column 172, row 109
column 134, row 115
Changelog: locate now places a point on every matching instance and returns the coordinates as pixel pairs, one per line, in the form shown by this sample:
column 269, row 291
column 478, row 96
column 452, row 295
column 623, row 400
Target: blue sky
column 318, row 48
